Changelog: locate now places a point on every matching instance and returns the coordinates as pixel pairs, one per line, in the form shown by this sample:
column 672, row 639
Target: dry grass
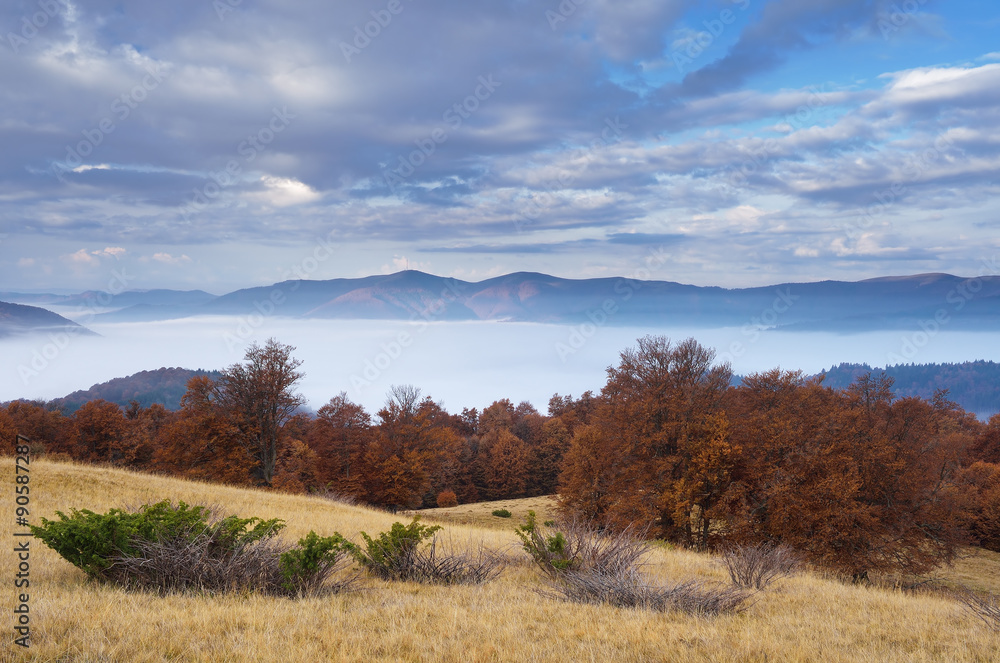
column 481, row 513
column 808, row 618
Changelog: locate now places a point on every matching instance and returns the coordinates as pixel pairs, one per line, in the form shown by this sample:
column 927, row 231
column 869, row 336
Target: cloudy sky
column 218, row 144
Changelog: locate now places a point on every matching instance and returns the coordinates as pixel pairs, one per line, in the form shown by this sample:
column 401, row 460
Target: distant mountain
column 905, row 302
column 975, row 385
column 165, row 386
column 127, row 306
column 16, row 319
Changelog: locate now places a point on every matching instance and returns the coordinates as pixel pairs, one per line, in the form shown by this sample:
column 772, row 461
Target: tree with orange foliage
column 657, row 424
column 586, row 483
column 986, row 448
column 413, row 453
column 202, row 442
column 296, row 468
column 100, row 434
column 339, row 436
column 507, row 464
column 977, row 489
column 8, row 433
column 548, row 456
column 856, row 482
column 42, row 426
column 257, row 395
column 142, row 428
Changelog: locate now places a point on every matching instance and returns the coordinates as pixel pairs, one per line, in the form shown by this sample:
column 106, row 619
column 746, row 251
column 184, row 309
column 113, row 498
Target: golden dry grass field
column 804, row 618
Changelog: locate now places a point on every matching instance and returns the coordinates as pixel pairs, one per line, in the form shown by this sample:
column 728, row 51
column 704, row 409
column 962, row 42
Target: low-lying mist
column 461, row 364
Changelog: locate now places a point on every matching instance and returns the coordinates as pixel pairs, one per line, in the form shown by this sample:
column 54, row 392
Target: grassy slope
column 806, row 618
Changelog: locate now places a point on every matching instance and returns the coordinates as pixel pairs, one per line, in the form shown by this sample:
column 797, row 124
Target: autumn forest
column 856, row 480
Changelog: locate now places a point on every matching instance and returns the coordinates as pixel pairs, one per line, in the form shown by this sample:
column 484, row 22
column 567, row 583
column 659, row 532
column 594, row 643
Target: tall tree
column 100, row 434
column 507, row 464
column 340, row 435
column 258, row 395
column 655, row 420
column 202, row 442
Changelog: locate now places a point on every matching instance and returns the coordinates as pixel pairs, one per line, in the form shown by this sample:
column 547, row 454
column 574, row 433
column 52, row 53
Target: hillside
column 22, row 319
column 808, row 617
column 165, row 386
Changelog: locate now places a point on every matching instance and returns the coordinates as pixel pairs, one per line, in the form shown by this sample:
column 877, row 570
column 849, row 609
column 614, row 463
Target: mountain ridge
column 870, row 304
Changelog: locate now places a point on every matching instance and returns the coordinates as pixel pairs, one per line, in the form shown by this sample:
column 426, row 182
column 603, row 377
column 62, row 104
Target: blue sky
column 228, row 143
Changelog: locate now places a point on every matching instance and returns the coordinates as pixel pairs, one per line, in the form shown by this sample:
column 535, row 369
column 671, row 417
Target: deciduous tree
column 258, row 395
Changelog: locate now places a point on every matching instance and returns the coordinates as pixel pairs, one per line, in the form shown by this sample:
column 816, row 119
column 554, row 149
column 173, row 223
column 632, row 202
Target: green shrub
column 176, row 548
column 93, row 541
column 550, row 551
column 304, row 569
column 391, row 556
column 501, row 513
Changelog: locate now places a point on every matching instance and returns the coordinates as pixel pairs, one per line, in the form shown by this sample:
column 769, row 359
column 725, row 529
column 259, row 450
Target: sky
column 220, row 144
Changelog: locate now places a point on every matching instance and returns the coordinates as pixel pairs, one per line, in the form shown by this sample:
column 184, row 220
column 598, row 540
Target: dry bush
column 196, row 564
column 576, row 546
column 397, row 555
column 629, row 591
column 986, row 608
column 454, row 568
column 757, row 566
column 200, row 564
column 586, row 566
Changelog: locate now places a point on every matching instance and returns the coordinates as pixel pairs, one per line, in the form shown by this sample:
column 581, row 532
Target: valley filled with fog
column 460, row 364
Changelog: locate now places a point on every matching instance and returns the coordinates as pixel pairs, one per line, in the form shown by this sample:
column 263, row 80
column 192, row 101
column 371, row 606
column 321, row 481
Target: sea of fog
column 460, row 364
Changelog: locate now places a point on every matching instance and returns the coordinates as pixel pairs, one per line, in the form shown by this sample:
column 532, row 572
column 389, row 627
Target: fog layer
column 461, row 364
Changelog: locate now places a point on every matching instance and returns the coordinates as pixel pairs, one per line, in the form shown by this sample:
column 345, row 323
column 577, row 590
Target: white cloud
column 110, row 252
column 82, row 257
column 168, row 259
column 400, row 263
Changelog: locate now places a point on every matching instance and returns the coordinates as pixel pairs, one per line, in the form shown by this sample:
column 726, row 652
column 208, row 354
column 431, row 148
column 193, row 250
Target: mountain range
column 905, row 302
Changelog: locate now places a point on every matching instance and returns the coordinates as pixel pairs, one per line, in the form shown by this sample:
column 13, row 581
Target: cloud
column 400, row 263
column 82, row 258
column 168, row 259
column 110, row 252
column 783, row 28
column 586, row 140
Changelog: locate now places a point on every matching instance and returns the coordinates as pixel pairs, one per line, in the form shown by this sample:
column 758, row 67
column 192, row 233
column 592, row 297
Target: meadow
column 810, row 616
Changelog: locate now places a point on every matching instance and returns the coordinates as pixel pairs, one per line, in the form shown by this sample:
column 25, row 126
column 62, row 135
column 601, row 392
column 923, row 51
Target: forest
column 975, row 385
column 855, row 479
